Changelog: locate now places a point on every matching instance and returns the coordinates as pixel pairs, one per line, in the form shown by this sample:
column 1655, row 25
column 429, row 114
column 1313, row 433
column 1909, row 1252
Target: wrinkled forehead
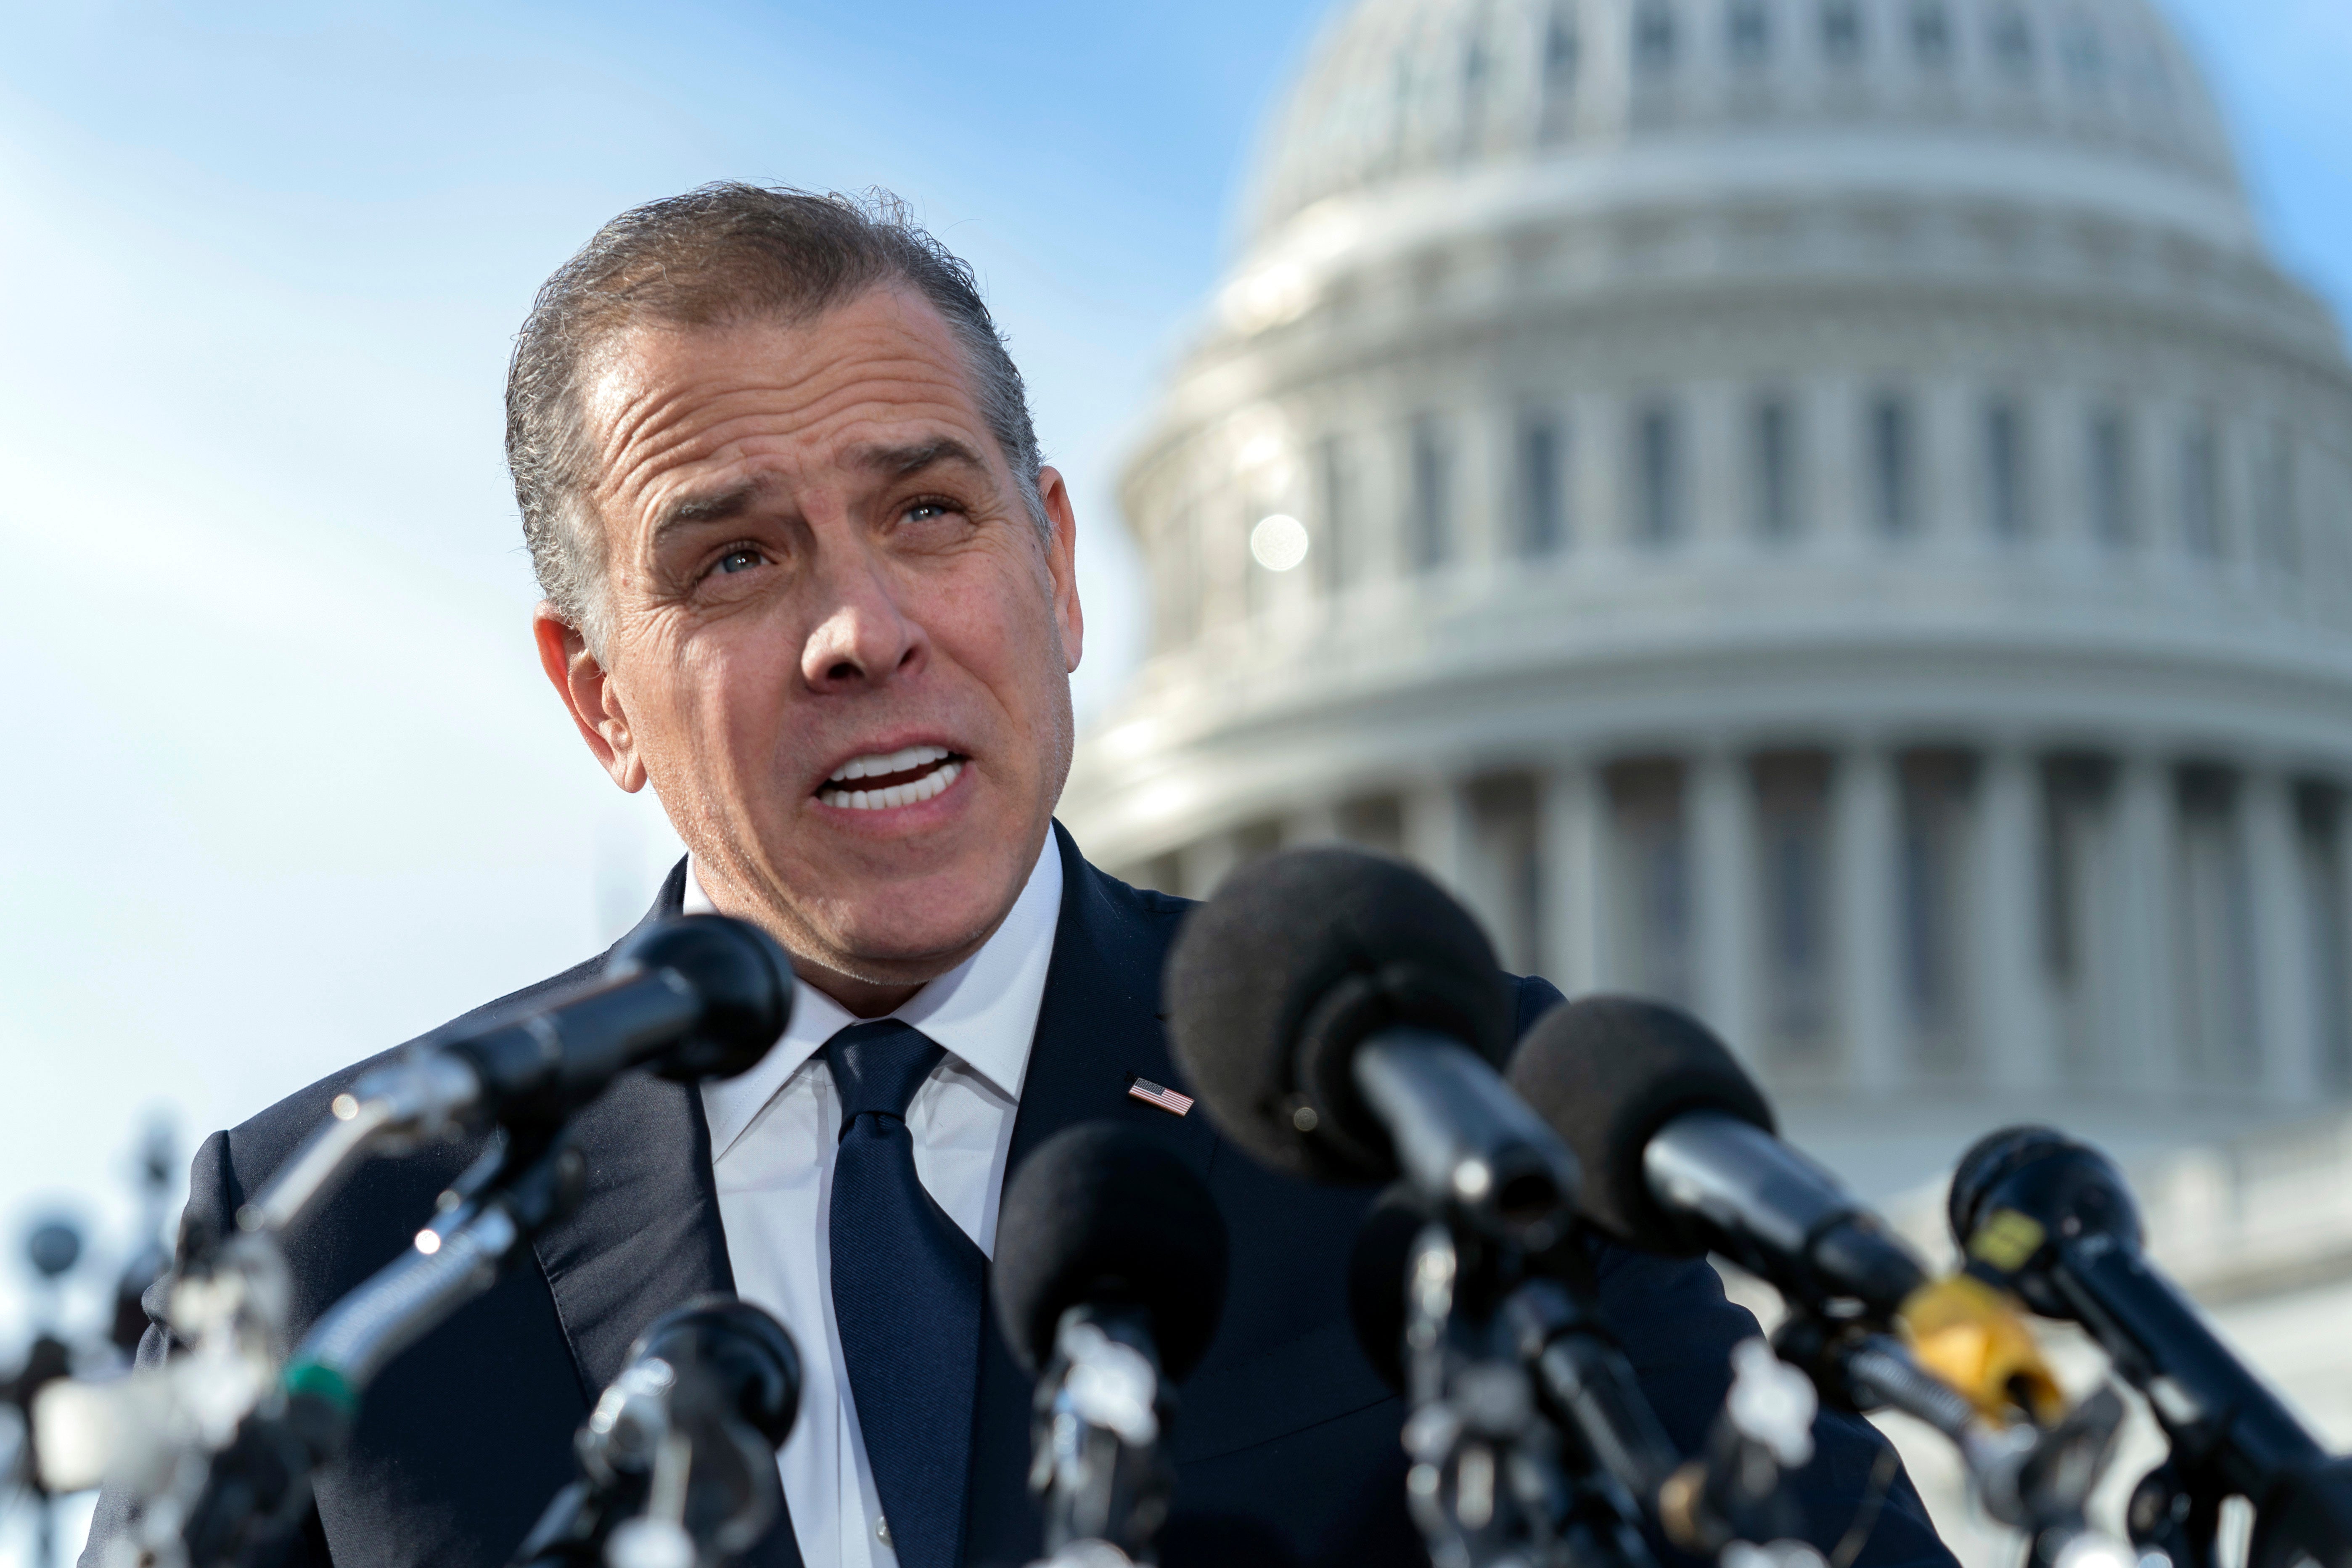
column 801, row 401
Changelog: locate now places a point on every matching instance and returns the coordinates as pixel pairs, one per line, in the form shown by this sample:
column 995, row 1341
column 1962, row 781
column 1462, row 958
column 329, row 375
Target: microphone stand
column 153, row 1431
column 1530, row 1440
column 1732, row 1491
column 259, row 1483
column 2035, row 1479
column 678, row 1460
column 1099, row 1472
column 1527, row 1445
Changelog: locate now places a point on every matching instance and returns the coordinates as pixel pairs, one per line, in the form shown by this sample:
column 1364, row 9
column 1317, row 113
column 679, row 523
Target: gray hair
column 724, row 254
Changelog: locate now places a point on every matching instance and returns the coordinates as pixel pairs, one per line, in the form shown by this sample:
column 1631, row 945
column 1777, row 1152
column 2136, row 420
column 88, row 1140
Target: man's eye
column 927, row 511
column 740, row 560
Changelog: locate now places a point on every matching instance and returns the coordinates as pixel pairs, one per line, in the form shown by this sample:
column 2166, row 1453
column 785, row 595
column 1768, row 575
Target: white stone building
column 1824, row 509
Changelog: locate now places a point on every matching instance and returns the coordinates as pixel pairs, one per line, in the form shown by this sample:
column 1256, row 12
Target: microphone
column 696, row 997
column 1731, row 1491
column 2052, row 1219
column 1109, row 1278
column 1680, row 1157
column 1343, row 1020
column 679, row 1458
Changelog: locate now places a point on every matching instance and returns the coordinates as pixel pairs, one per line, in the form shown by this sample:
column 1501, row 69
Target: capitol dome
column 1404, row 91
column 1822, row 509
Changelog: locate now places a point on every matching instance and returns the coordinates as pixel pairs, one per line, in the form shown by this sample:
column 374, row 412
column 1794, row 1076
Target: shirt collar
column 983, row 1012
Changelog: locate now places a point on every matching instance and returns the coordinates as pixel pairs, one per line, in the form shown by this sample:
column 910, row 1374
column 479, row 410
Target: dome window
column 1543, row 485
column 1891, row 466
column 1772, row 456
column 2004, row 469
column 1562, row 48
column 2200, row 490
column 1653, row 37
column 1562, row 53
column 2085, row 56
column 1177, row 576
column 1931, row 34
column 1748, row 31
column 1432, row 496
column 1842, row 31
column 1657, row 477
column 2012, row 41
column 1335, row 475
column 1473, row 88
column 2275, row 502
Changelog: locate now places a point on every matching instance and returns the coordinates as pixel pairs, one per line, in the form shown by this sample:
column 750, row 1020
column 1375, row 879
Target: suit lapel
column 1099, row 1025
column 1098, row 1029
column 645, row 1236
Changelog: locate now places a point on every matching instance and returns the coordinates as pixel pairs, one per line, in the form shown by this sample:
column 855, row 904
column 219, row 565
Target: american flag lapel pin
column 1167, row 1100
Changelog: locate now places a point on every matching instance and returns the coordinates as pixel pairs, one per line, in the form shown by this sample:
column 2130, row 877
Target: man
column 807, row 578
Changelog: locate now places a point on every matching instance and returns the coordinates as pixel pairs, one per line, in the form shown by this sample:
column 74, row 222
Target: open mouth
column 882, row 780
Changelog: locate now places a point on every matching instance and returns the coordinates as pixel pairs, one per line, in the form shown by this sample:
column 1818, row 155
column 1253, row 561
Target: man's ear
column 1062, row 561
column 587, row 692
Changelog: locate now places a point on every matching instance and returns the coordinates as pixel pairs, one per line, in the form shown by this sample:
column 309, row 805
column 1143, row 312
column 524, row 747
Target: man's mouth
column 884, row 779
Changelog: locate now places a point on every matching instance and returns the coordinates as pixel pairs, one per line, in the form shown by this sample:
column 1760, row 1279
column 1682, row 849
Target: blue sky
column 287, row 786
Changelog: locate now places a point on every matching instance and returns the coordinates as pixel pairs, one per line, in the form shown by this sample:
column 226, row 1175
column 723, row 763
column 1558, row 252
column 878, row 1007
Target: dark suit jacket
column 1286, row 1444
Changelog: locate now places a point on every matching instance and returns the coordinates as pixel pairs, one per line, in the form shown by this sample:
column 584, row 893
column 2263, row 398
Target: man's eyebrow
column 714, row 506
column 894, row 462
column 897, row 462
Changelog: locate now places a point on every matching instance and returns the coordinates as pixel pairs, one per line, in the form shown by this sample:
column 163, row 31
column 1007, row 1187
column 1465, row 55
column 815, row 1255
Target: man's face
column 839, row 646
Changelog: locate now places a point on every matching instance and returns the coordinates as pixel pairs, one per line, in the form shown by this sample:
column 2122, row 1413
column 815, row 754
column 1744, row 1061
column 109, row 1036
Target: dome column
column 1486, row 491
column 2285, row 987
column 2147, row 808
column 1718, row 518
column 1832, row 492
column 1946, row 479
column 1863, row 806
column 1597, row 503
column 1571, row 854
column 2020, row 1043
column 1437, row 833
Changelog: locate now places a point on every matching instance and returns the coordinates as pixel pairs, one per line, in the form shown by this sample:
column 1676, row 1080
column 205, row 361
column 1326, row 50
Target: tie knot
column 879, row 1067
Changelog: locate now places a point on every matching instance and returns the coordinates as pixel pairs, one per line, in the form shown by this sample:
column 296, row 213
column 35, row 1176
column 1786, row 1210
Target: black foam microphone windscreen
column 1106, row 1215
column 1988, row 1161
column 1273, row 984
column 1608, row 1072
column 743, row 978
column 731, row 1356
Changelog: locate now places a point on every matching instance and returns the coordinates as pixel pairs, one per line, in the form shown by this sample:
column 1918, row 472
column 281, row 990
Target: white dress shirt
column 772, row 1133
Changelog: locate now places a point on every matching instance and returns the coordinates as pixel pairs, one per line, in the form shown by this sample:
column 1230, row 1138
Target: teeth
column 878, row 764
column 922, row 789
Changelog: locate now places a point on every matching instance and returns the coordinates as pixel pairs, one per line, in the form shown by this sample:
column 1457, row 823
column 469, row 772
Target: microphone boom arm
column 259, row 1483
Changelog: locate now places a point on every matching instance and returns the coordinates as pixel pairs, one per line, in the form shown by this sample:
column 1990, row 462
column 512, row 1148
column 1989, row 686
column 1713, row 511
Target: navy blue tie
column 906, row 1286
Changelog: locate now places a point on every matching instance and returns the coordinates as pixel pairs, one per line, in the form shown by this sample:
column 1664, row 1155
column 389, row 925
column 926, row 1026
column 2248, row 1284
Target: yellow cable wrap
column 1975, row 1338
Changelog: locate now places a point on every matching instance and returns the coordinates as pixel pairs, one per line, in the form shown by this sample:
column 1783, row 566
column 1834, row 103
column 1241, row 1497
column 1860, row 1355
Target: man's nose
column 864, row 639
